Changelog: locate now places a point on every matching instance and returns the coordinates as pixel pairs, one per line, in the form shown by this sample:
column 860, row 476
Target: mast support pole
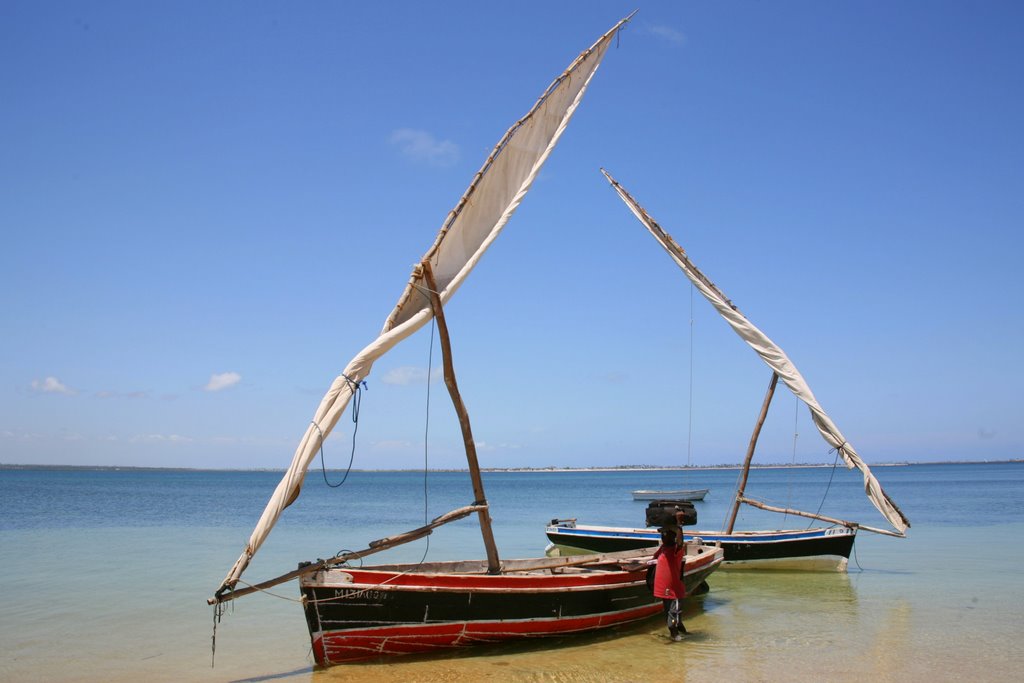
column 493, row 562
column 750, row 451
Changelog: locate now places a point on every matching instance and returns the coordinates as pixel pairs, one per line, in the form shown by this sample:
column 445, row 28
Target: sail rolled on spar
column 492, row 197
column 773, row 355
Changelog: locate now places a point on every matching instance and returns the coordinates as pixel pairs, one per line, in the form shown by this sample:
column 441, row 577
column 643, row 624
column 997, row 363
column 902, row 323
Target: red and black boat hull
column 356, row 614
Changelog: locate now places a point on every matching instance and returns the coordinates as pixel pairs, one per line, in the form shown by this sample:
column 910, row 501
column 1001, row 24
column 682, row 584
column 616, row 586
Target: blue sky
column 208, row 208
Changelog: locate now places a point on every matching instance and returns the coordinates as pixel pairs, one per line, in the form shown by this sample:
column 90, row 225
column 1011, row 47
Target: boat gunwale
column 752, row 536
column 580, row 574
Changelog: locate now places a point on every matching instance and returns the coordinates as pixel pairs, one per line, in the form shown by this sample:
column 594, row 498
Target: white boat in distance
column 685, row 494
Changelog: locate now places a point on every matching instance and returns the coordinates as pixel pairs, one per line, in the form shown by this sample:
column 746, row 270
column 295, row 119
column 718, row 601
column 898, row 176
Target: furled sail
column 493, row 195
column 773, row 356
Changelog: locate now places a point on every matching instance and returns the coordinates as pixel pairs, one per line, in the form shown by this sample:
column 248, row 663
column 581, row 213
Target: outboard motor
column 662, row 513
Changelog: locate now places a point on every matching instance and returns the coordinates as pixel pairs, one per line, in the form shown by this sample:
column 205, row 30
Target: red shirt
column 667, row 584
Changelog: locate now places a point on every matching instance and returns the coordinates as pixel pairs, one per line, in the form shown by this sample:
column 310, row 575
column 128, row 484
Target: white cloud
column 222, row 381
column 423, row 147
column 407, row 375
column 51, row 385
column 668, row 33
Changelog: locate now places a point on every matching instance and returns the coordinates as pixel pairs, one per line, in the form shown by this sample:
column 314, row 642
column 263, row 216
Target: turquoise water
column 104, row 576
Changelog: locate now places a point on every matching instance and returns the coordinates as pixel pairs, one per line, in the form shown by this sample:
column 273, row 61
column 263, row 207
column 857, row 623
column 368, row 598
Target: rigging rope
column 789, row 478
column 426, row 489
column 426, row 434
column 218, row 612
column 356, row 386
column 689, row 424
column 856, row 559
column 357, row 399
column 830, row 476
column 426, row 500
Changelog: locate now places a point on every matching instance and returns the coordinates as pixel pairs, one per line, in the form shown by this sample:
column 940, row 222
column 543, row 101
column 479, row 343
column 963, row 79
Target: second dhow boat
column 814, row 548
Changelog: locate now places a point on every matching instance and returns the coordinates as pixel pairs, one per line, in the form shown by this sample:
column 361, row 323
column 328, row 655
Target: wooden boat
column 355, row 614
column 359, row 612
column 816, row 549
column 811, row 548
column 685, row 494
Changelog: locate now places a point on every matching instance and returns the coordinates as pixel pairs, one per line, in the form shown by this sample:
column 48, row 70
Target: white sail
column 773, row 356
column 494, row 194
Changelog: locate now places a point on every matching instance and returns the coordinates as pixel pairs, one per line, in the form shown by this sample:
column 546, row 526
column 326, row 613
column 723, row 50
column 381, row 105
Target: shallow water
column 105, row 576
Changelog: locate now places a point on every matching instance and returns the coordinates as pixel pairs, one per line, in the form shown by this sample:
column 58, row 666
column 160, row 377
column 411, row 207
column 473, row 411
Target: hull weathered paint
column 807, row 549
column 366, row 613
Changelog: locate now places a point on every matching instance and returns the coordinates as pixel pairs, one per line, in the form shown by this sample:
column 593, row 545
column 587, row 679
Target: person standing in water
column 667, row 582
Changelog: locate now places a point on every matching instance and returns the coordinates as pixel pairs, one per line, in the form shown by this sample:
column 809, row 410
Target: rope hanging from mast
column 689, row 423
column 357, row 400
column 835, row 464
column 792, row 457
column 426, row 434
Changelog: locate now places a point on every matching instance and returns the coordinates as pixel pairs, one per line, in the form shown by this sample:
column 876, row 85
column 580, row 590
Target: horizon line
column 550, row 468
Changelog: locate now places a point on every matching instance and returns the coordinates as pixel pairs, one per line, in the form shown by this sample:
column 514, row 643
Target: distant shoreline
column 619, row 468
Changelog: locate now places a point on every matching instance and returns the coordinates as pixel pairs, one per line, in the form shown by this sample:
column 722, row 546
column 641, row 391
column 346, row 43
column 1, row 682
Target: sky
column 207, row 209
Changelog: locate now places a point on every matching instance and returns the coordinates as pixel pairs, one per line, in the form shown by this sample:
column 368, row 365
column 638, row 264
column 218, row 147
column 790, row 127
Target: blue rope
column 830, row 476
column 357, row 398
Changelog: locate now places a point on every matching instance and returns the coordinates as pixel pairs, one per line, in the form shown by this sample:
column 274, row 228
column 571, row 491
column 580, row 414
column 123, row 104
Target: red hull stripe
column 502, row 581
column 352, row 645
column 506, row 581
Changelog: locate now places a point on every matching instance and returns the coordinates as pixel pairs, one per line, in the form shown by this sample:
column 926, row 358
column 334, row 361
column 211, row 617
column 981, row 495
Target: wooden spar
column 750, row 450
column 493, row 563
column 823, row 518
column 374, row 547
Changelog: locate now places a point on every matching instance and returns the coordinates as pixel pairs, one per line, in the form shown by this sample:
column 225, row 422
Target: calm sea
column 105, row 574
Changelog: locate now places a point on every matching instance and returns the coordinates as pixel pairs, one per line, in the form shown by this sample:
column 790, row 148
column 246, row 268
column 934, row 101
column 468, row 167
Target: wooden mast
column 493, row 563
column 750, row 451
